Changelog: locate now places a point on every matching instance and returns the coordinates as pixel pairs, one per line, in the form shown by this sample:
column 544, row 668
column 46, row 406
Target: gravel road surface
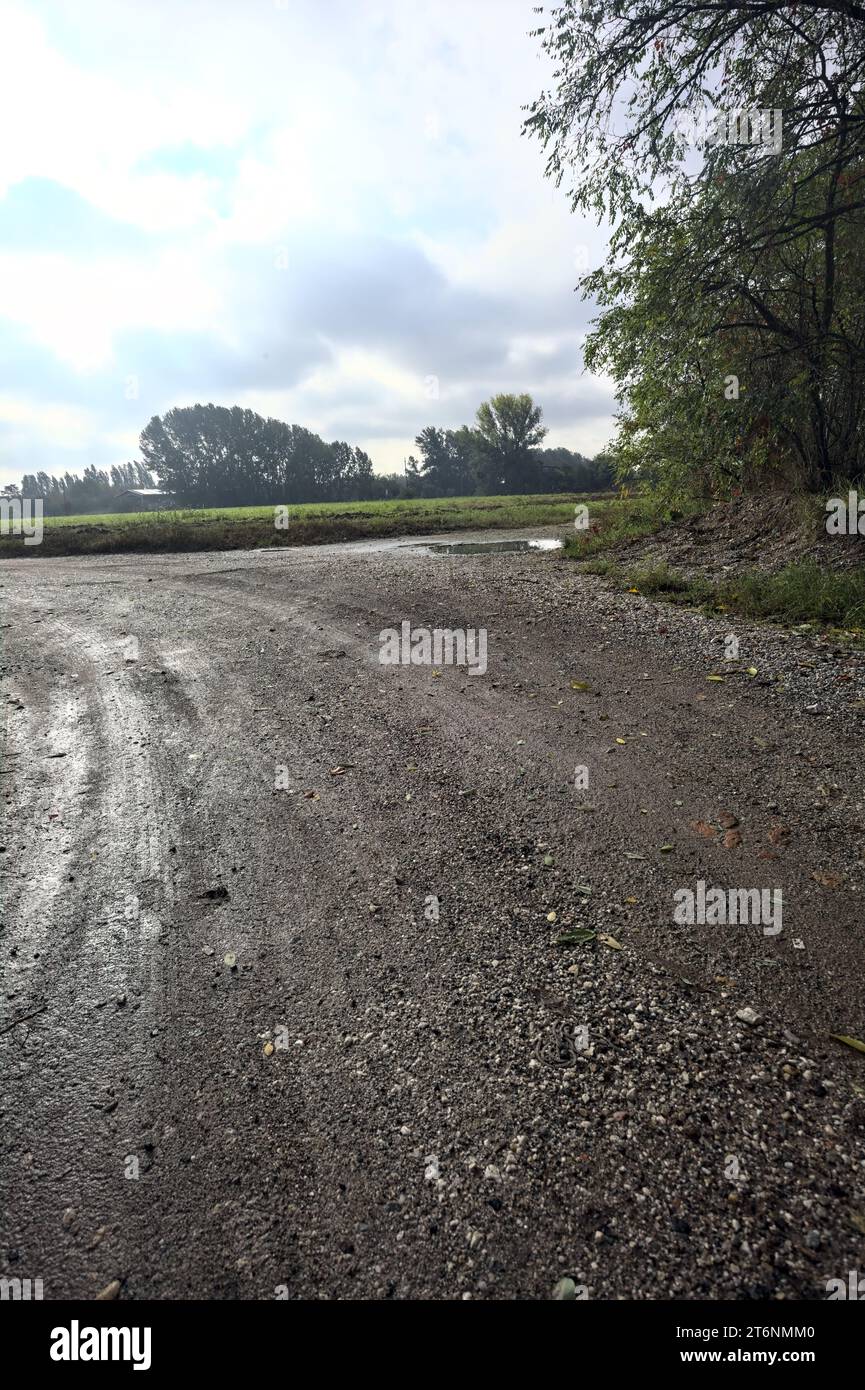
column 284, row 1008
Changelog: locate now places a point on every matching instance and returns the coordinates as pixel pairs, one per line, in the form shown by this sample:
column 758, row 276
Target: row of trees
column 501, row 454
column 98, row 490
column 215, row 456
column 211, row 455
column 732, row 307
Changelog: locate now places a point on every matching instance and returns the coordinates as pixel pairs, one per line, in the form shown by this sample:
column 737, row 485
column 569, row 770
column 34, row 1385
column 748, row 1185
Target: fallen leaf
column 778, row 835
column 827, row 879
column 667, row 849
column 579, row 685
column 715, row 678
column 732, row 839
column 703, row 828
column 728, row 820
column 611, row 942
column 850, row 1042
column 575, row 938
column 620, row 740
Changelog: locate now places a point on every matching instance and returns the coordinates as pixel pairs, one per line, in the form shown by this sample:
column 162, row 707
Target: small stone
column 565, row 1291
column 748, row 1016
column 109, row 1292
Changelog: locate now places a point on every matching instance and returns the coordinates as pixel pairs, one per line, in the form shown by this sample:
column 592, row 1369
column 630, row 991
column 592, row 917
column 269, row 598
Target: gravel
column 453, row 1105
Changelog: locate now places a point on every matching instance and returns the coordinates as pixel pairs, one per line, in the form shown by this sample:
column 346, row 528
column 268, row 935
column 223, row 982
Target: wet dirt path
column 404, row 1088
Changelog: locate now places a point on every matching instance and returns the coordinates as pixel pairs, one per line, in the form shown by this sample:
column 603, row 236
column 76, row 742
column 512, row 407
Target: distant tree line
column 98, row 490
column 218, row 456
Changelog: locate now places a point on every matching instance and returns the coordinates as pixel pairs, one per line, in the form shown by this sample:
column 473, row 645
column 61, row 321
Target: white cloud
column 341, row 126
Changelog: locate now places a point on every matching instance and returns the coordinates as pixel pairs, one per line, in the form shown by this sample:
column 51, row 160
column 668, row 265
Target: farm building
column 146, row 499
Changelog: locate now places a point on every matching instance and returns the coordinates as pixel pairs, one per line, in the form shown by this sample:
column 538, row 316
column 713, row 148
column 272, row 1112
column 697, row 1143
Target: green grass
column 626, row 521
column 233, row 528
column 802, row 593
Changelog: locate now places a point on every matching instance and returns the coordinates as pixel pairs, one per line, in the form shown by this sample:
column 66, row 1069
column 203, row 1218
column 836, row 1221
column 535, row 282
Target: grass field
column 241, row 528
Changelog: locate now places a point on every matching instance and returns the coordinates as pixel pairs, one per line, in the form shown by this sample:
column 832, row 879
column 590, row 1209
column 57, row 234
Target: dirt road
column 402, row 1087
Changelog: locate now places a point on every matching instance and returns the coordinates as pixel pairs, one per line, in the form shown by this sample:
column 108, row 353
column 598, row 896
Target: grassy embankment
column 242, row 528
column 798, row 593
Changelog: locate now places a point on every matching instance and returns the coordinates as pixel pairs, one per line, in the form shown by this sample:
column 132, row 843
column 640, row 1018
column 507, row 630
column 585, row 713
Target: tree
column 210, row 455
column 447, row 461
column 562, row 470
column 747, row 269
column 507, row 433
column 733, row 369
column 630, row 78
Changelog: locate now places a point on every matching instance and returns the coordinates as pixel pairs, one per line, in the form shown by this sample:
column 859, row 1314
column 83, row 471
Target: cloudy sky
column 320, row 209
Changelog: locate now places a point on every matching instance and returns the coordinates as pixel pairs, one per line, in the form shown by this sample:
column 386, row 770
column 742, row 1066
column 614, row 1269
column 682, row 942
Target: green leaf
column 850, row 1042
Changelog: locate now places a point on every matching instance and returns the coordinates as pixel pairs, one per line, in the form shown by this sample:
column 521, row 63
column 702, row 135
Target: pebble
column 748, row 1016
